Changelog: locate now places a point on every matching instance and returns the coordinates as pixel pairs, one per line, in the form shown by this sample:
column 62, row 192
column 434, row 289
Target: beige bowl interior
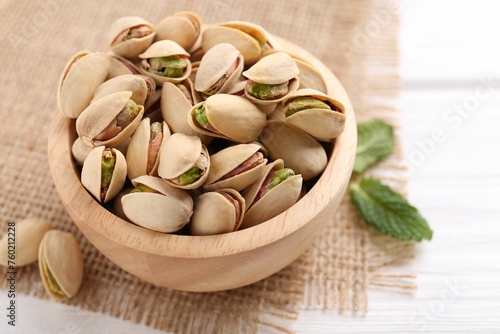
column 207, row 263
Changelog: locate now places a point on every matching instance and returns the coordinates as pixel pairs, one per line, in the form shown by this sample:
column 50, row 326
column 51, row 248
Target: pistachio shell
column 83, row 73
column 164, row 48
column 227, row 160
column 273, row 69
column 130, row 48
column 244, row 36
column 215, row 64
column 120, row 66
column 183, row 28
column 234, row 117
column 29, row 234
column 178, row 155
column 274, row 201
column 96, row 117
column 80, row 150
column 216, row 214
column 60, row 262
column 167, row 210
column 92, row 171
column 322, row 124
column 299, row 151
column 175, row 108
column 137, row 84
column 138, row 150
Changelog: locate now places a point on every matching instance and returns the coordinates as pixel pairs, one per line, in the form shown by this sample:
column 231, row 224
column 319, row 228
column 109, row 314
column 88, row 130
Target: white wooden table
column 451, row 73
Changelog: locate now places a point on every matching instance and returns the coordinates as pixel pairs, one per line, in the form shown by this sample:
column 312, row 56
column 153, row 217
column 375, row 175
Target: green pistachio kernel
column 171, row 66
column 141, row 188
column 200, row 115
column 280, row 176
column 190, row 176
column 304, row 103
column 107, row 167
column 127, row 115
column 51, row 280
column 268, row 92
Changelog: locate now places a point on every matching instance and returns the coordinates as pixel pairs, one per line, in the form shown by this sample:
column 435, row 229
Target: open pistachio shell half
column 155, row 205
column 219, row 70
column 130, row 36
column 217, row 212
column 84, row 72
column 271, row 79
column 229, row 117
column 143, row 153
column 299, row 150
column 247, row 37
column 183, row 28
column 176, row 101
column 104, row 173
column 316, row 113
column 110, row 120
column 184, row 161
column 274, row 192
column 30, row 232
column 235, row 167
column 60, row 263
column 142, row 87
column 165, row 61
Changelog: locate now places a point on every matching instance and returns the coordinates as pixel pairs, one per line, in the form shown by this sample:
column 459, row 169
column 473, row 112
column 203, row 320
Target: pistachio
column 267, row 91
column 29, row 234
column 171, row 66
column 130, row 36
column 304, row 103
column 61, row 264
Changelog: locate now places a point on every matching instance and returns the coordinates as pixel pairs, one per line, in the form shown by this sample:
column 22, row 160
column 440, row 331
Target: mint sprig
column 388, row 211
column 377, row 204
column 375, row 142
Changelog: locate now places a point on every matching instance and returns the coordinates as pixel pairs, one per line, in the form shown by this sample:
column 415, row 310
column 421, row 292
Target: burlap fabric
column 356, row 39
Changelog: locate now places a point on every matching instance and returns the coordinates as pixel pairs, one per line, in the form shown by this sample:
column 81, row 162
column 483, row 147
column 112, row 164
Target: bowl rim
column 79, row 203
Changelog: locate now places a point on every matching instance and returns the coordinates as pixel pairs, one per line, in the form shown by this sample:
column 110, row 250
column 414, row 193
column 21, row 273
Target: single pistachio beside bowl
column 61, row 264
column 29, row 234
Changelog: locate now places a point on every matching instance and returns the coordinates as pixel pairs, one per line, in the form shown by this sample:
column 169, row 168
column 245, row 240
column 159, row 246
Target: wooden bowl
column 207, row 263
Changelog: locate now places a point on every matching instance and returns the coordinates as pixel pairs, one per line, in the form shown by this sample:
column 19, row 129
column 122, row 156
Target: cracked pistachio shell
column 247, row 37
column 141, row 87
column 227, row 160
column 182, row 28
column 179, row 154
column 130, row 48
column 274, row 201
column 84, row 72
column 60, row 263
column 299, row 151
column 273, row 69
column 80, row 151
column 138, row 151
column 164, row 48
column 216, row 214
column 309, row 76
column 120, row 66
column 92, row 171
column 234, row 117
column 96, row 117
column 167, row 209
column 29, row 234
column 322, row 124
column 214, row 65
column 175, row 108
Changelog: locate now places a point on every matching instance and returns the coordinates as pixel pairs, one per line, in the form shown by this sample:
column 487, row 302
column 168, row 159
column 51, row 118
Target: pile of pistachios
column 201, row 128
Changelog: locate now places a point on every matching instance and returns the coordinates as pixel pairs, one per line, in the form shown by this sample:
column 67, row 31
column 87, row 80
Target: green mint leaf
column 375, row 142
column 388, row 211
